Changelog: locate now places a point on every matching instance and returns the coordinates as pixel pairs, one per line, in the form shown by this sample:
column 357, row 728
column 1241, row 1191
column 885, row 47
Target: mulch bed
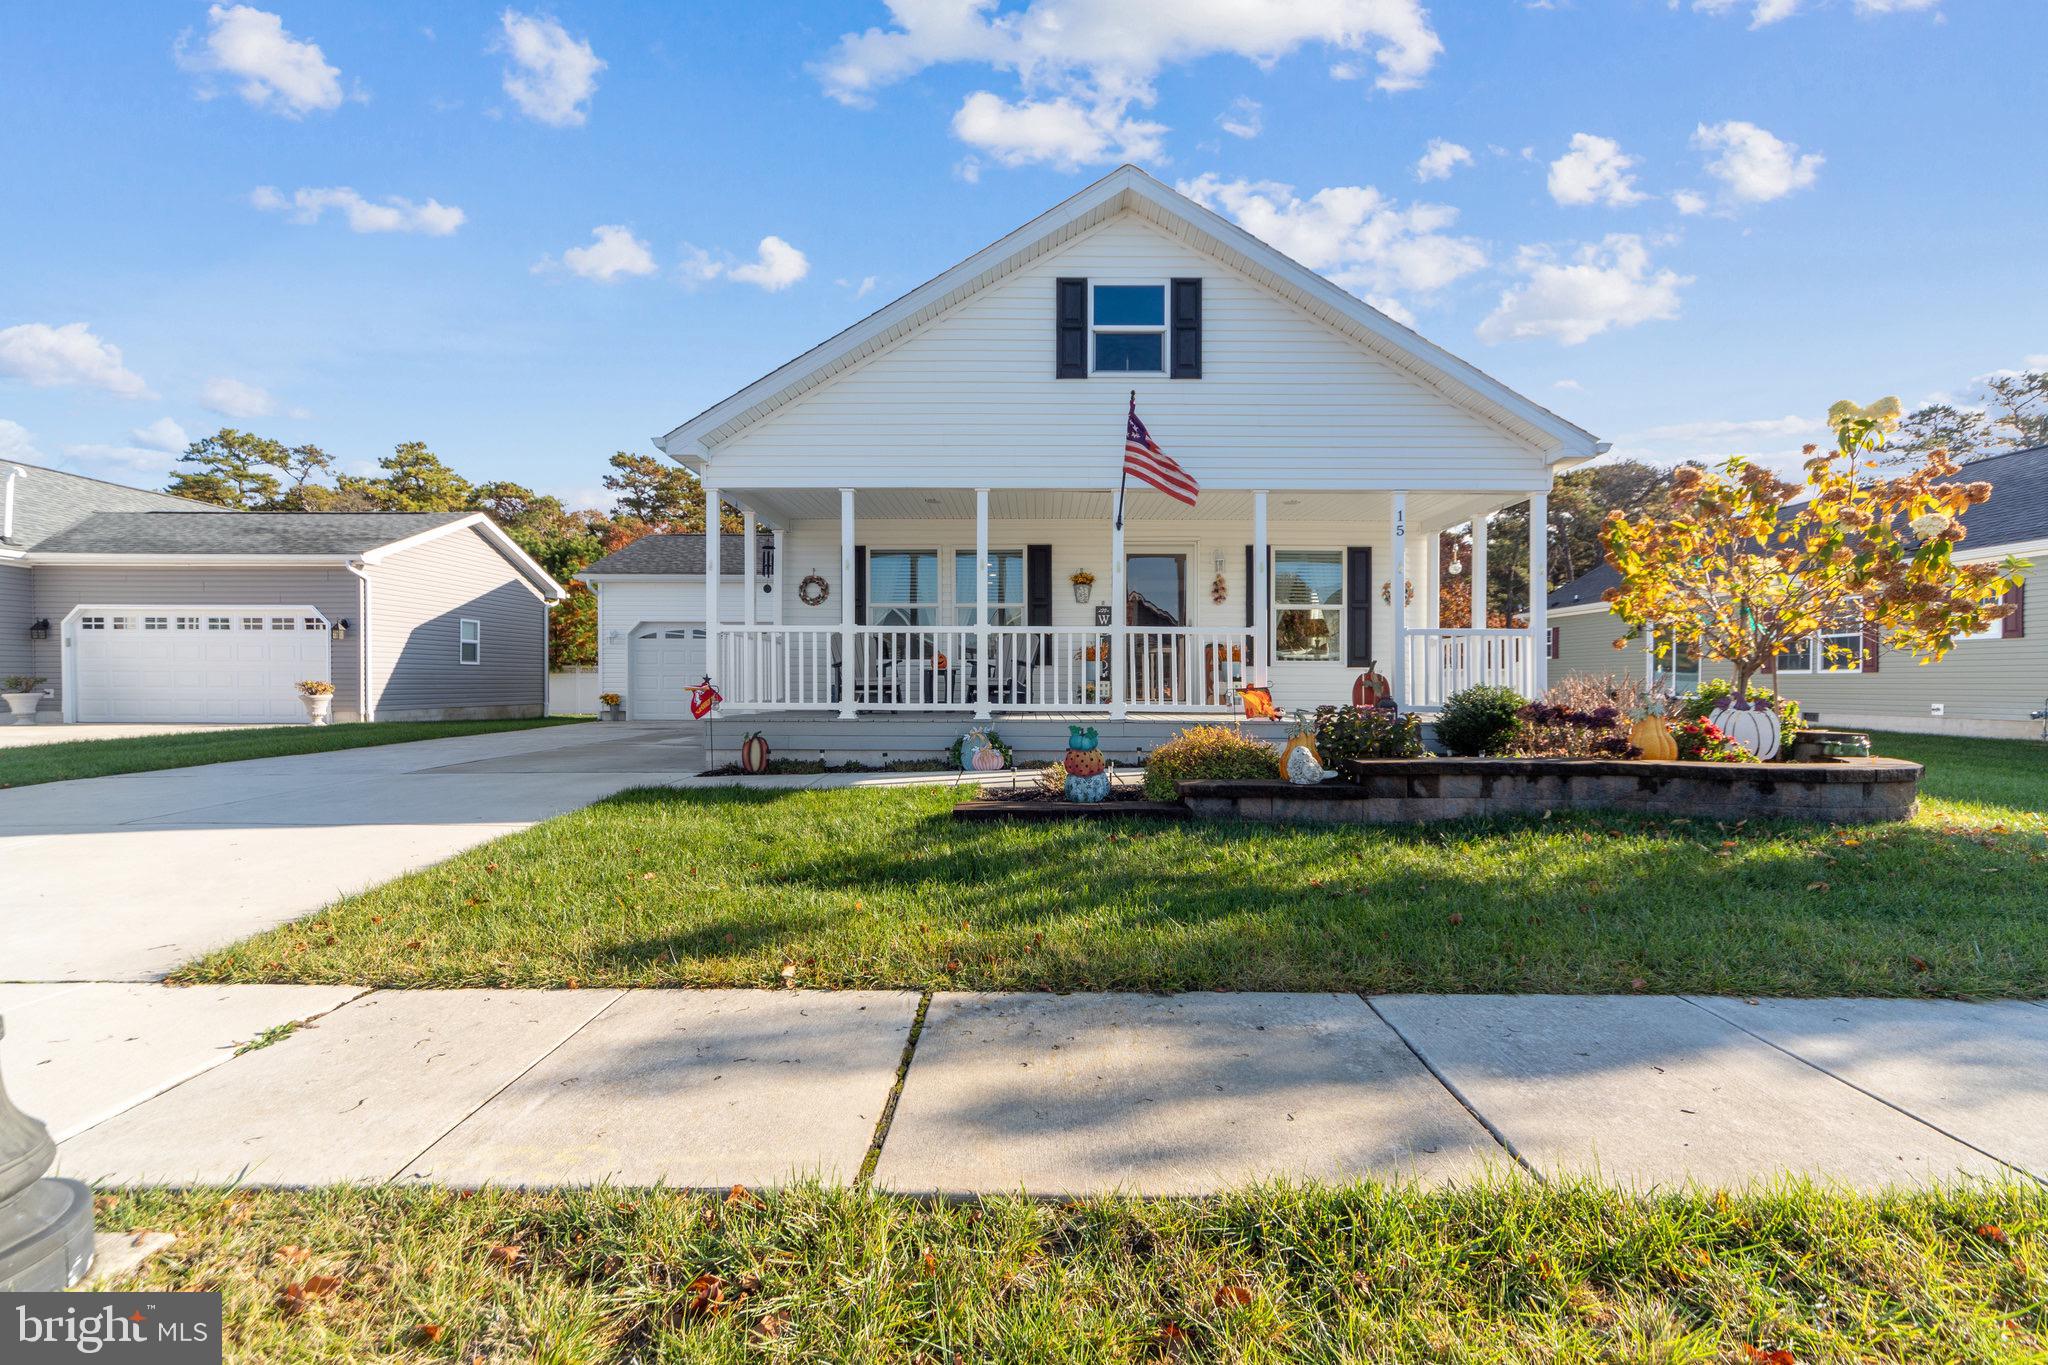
column 1029, row 802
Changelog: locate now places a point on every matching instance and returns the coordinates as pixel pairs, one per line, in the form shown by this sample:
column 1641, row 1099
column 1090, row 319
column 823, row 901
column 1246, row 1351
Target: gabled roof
column 2016, row 515
column 49, row 501
column 670, row 555
column 224, row 532
column 1128, row 189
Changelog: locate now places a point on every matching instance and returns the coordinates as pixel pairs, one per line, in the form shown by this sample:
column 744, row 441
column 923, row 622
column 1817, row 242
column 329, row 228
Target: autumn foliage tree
column 1745, row 565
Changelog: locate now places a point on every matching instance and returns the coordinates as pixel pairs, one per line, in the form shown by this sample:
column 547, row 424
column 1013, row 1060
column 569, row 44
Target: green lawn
column 34, row 763
column 878, row 887
column 1505, row 1272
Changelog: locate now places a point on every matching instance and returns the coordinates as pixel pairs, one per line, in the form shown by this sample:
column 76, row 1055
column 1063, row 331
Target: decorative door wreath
column 813, row 591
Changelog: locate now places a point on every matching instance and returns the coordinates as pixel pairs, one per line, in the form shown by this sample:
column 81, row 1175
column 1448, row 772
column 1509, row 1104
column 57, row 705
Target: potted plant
column 23, row 695
column 318, row 699
column 613, row 706
column 1084, row 583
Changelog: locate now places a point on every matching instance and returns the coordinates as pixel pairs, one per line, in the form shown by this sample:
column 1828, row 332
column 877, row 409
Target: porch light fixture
column 40, row 630
column 340, row 630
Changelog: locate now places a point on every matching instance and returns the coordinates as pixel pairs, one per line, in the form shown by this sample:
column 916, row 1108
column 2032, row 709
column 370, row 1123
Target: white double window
column 1005, row 587
column 1308, row 606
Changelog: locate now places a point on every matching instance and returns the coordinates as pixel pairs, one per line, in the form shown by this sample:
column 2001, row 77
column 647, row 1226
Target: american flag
column 1144, row 459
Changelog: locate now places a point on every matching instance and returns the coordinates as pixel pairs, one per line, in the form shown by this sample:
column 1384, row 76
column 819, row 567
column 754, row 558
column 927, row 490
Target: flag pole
column 1122, row 482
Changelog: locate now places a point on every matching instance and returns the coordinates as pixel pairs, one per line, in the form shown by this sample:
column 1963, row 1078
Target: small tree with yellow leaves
column 1746, row 565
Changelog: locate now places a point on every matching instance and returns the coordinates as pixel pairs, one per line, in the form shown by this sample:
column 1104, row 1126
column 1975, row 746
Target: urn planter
column 21, row 706
column 318, row 709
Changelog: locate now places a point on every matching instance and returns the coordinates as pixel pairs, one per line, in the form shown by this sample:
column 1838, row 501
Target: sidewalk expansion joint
column 1455, row 1093
column 867, row 1166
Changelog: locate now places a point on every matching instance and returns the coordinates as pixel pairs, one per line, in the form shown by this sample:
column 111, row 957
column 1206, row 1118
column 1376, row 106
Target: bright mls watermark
column 160, row 1329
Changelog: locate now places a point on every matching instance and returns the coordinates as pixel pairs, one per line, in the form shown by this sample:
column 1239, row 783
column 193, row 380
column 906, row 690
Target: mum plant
column 1746, row 565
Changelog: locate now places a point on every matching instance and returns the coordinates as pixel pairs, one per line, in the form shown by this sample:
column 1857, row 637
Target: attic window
column 1127, row 325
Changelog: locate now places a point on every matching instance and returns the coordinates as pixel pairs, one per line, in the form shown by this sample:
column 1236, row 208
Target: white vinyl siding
column 1284, row 401
column 625, row 603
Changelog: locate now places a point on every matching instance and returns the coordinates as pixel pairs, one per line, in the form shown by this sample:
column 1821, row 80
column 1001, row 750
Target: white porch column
column 1397, row 592
column 1119, row 666
column 1262, row 593
column 713, row 542
column 1479, row 580
column 747, row 531
column 848, row 671
column 982, row 677
column 1433, row 575
column 1539, row 591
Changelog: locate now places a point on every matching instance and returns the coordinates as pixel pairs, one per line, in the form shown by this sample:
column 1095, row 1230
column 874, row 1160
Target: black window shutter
column 1358, row 606
column 1873, row 643
column 1251, row 607
column 2016, row 624
column 1187, row 329
column 1070, row 337
column 860, row 585
column 1038, row 585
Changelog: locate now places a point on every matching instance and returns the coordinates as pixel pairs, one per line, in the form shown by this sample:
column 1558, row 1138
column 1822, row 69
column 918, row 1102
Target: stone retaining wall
column 1413, row 790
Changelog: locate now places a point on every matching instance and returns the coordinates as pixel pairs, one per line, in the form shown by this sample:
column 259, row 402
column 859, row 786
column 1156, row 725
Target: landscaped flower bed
column 1411, row 790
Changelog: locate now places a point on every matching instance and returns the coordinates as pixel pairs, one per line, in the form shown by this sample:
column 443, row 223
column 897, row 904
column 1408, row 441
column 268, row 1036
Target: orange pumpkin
column 1652, row 734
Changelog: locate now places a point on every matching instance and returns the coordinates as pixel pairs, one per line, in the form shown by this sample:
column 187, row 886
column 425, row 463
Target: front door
column 1155, row 590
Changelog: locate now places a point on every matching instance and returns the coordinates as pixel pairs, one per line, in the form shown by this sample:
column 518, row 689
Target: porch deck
column 883, row 736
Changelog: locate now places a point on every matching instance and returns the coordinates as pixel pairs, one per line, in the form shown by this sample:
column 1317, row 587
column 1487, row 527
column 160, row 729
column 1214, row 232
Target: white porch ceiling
column 1426, row 511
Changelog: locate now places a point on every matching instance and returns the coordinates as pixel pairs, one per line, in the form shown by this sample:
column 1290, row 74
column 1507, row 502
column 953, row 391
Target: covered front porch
column 978, row 602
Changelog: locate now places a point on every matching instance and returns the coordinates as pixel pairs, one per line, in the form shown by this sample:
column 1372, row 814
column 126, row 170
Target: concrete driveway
column 125, row 878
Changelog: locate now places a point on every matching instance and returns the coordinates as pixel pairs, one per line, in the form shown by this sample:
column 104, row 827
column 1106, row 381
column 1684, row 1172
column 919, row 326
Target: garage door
column 665, row 662
column 220, row 664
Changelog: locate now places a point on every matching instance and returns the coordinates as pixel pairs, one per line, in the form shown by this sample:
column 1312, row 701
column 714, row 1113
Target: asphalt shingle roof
column 241, row 533
column 50, row 501
column 674, row 554
column 2016, row 514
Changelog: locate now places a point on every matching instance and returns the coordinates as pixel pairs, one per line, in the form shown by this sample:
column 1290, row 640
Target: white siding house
column 936, row 475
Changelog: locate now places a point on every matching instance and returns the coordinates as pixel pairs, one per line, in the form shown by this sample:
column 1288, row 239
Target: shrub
column 1702, row 742
column 1207, row 753
column 1590, row 692
column 1343, row 733
column 1699, row 704
column 1551, row 729
column 1480, row 720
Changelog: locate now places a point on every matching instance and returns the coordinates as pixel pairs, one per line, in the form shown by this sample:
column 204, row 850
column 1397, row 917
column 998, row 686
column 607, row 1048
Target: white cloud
column 1594, row 171
column 776, row 267
column 613, row 252
column 1060, row 132
column 1440, row 159
column 1082, row 64
column 861, row 288
column 1569, row 385
column 1761, row 12
column 1771, row 441
column 273, row 69
column 1689, row 201
column 552, row 76
column 1352, row 233
column 233, row 398
column 394, row 214
column 162, row 434
column 1605, row 284
column 1895, row 6
column 1244, row 118
column 50, row 357
column 123, row 464
column 16, row 443
column 1753, row 165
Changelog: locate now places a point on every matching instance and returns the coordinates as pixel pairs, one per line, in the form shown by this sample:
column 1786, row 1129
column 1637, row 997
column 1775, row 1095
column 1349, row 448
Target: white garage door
column 200, row 664
column 665, row 662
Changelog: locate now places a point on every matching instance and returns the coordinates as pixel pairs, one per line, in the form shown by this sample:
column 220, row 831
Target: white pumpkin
column 1754, row 728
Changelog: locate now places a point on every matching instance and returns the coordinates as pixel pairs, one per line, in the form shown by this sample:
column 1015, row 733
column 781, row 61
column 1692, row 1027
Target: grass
column 35, row 763
column 879, row 888
column 1510, row 1271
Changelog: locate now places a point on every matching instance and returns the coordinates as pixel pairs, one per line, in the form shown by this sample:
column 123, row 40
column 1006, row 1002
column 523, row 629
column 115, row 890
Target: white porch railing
column 1185, row 668
column 1437, row 662
column 778, row 668
column 1035, row 668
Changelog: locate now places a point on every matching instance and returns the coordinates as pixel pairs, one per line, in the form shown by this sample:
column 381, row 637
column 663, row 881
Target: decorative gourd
column 988, row 759
column 1752, row 726
column 1652, row 734
column 1372, row 687
column 754, row 754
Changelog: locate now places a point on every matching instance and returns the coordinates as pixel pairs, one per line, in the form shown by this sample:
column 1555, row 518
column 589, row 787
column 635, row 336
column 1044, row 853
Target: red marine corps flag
column 1144, row 458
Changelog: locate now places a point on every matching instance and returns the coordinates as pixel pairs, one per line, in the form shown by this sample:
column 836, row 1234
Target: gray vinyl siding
column 330, row 589
column 15, row 614
column 1984, row 686
column 418, row 598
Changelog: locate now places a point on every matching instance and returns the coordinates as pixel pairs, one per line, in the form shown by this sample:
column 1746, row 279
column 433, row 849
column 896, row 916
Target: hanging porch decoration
column 813, row 591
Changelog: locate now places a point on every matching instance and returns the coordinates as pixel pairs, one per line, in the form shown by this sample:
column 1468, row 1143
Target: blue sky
column 532, row 236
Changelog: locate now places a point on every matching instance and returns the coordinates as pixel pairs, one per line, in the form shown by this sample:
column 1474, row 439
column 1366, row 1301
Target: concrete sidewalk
column 1057, row 1095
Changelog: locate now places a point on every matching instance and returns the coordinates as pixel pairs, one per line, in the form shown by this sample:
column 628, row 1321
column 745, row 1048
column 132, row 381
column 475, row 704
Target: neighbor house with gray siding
column 136, row 606
column 1988, row 685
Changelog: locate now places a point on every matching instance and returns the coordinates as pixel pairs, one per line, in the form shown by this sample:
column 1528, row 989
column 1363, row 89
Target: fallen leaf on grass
column 506, row 1255
column 1764, row 1357
column 1991, row 1232
column 1919, row 964
column 1233, row 1296
column 1455, row 917
column 429, row 1331
column 740, row 1194
column 770, row 1326
column 707, row 1297
column 1637, row 984
column 1816, row 886
column 296, row 1296
column 1170, row 1341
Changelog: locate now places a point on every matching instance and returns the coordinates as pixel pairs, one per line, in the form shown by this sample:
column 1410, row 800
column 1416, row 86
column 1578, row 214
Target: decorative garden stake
column 1372, row 687
column 1087, row 769
column 754, row 753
